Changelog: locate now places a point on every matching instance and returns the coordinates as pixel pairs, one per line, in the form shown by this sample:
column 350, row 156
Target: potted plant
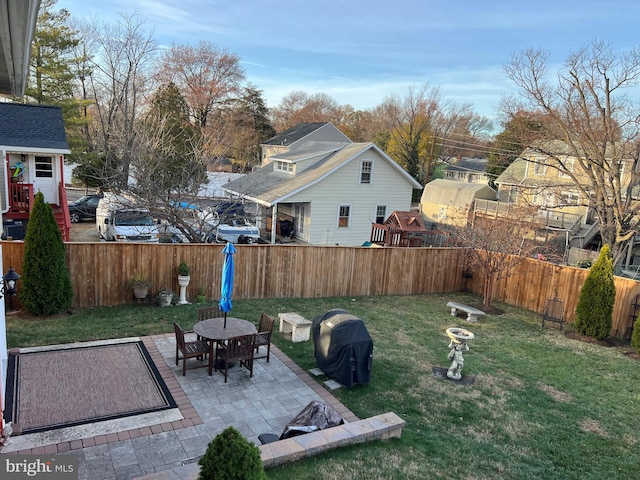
column 165, row 297
column 201, row 298
column 140, row 284
column 183, row 269
column 183, row 281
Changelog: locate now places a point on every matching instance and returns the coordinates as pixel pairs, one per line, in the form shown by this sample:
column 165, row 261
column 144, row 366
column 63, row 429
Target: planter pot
column 140, row 291
column 183, row 281
column 164, row 299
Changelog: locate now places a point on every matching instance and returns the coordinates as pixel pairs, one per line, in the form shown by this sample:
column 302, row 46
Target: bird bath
column 458, row 344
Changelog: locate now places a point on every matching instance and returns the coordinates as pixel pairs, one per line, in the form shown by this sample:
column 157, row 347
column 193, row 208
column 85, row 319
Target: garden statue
column 5, row 435
column 459, row 338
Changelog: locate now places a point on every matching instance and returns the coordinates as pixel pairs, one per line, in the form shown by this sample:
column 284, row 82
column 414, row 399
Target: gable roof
column 466, row 164
column 27, row 127
column 406, row 221
column 268, row 187
column 301, row 131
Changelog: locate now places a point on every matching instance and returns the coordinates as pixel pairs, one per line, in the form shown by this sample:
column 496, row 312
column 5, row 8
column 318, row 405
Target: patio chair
column 238, row 349
column 189, row 349
column 553, row 311
column 205, row 313
column 263, row 337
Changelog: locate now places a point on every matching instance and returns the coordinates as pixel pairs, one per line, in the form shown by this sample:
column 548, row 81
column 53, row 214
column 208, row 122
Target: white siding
column 343, row 187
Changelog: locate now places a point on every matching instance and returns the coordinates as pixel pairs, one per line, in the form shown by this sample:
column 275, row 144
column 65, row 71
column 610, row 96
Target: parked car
column 235, row 230
column 84, row 208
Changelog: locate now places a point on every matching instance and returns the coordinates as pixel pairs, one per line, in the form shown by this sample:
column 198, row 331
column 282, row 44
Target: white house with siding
column 331, row 191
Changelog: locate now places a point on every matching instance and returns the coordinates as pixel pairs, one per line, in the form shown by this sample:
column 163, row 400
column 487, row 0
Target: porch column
column 4, row 358
column 274, row 218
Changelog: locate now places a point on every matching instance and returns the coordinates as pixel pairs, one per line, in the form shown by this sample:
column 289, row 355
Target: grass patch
column 542, row 405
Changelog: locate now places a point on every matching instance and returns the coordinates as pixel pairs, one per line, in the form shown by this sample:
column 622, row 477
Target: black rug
column 54, row 389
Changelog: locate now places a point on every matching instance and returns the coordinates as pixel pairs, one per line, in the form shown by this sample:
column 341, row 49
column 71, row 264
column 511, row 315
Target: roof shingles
column 32, row 126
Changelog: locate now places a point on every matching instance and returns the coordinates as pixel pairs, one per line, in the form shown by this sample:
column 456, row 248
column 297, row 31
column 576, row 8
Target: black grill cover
column 343, row 347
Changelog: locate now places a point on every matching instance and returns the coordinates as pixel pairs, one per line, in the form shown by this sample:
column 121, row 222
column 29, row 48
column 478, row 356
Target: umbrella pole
column 225, row 319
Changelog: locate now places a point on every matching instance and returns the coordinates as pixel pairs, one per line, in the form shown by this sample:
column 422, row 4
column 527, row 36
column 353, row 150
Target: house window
column 44, row 167
column 381, row 213
column 283, row 166
column 570, row 198
column 539, row 165
column 344, row 216
column 568, row 167
column 512, row 195
column 366, row 169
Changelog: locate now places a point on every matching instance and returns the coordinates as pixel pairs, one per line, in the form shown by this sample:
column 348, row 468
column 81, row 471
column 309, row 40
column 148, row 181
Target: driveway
column 84, row 231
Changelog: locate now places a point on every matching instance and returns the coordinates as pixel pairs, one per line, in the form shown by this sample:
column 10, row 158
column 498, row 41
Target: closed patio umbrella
column 227, row 280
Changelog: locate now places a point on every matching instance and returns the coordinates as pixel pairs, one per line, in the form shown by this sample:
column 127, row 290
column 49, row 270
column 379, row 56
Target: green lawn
column 542, row 406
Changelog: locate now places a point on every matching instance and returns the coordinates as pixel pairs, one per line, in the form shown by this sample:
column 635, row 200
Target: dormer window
column 280, row 166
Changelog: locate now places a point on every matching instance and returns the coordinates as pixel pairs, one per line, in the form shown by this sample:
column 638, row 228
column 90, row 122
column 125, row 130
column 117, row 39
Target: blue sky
column 359, row 52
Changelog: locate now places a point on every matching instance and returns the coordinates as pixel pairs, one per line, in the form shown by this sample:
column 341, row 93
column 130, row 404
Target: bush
column 230, row 456
column 584, row 263
column 595, row 306
column 635, row 337
column 46, row 284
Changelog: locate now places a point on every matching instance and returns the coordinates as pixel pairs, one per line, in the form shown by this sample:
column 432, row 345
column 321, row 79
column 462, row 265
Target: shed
column 450, row 202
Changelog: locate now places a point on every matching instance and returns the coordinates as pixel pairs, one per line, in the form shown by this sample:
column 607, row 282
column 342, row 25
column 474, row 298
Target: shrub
column 584, row 263
column 46, row 284
column 183, row 269
column 230, row 456
column 595, row 305
column 635, row 337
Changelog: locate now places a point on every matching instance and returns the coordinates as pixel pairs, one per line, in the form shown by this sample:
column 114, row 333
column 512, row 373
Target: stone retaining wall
column 381, row 427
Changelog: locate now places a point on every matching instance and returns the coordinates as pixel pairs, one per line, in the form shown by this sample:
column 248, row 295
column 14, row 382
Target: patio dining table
column 213, row 329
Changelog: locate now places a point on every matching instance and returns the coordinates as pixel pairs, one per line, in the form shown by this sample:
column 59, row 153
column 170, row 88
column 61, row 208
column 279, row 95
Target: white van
column 119, row 220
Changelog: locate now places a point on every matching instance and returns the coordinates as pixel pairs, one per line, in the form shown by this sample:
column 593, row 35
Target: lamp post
column 10, row 284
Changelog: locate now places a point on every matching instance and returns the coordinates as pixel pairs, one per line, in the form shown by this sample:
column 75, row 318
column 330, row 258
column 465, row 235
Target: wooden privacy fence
column 100, row 274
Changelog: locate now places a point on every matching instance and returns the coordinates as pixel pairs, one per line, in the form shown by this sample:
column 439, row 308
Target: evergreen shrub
column 635, row 337
column 46, row 284
column 230, row 456
column 594, row 311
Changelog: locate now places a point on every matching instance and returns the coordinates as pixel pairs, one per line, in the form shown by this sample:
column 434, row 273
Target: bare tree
column 299, row 107
column 412, row 119
column 496, row 246
column 586, row 107
column 206, row 76
column 118, row 82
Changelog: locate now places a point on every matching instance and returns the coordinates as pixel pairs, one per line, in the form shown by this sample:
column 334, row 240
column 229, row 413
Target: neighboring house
column 401, row 229
column 450, row 202
column 332, row 191
column 294, row 137
column 473, row 170
column 532, row 180
column 33, row 144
